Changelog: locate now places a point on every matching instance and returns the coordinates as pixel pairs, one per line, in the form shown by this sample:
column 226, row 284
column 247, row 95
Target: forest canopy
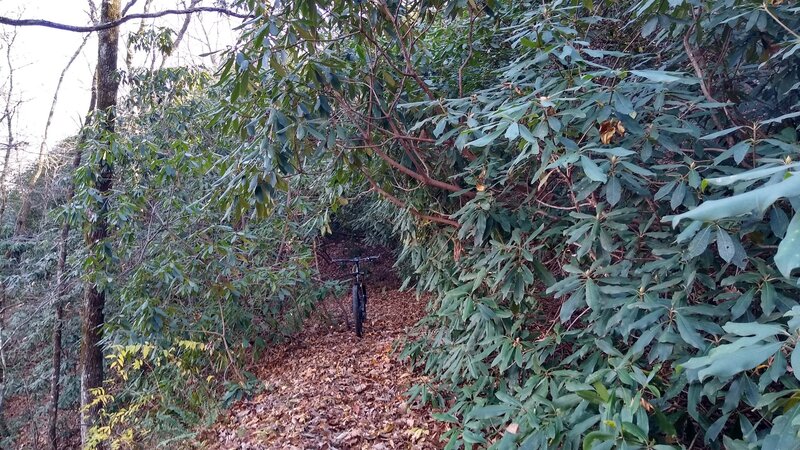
column 597, row 199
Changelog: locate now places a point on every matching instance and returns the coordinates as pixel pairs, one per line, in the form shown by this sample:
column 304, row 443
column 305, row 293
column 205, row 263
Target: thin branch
column 10, row 112
column 703, row 87
column 696, row 66
column 128, row 6
column 783, row 25
column 180, row 35
column 410, row 71
column 419, row 176
column 53, row 108
column 118, row 22
column 129, row 56
column 401, row 204
column 423, row 178
column 23, row 215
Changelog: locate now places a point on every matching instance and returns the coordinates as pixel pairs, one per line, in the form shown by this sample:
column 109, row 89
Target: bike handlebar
column 355, row 260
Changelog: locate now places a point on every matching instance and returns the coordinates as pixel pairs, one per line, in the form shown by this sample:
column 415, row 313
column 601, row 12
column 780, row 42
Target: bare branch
column 776, row 19
column 698, row 70
column 391, row 198
column 25, row 207
column 180, row 35
column 129, row 55
column 116, row 23
column 128, row 7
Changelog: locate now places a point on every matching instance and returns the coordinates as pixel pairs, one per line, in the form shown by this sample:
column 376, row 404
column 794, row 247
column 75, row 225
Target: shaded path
column 332, row 390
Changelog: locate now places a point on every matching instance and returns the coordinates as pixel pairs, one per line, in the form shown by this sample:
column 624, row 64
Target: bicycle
column 359, row 291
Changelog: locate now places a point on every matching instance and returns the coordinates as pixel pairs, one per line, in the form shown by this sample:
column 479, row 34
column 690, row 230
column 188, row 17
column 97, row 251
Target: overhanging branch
column 391, row 198
column 118, row 22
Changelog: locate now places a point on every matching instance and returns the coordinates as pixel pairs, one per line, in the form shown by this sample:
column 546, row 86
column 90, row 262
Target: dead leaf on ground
column 330, row 389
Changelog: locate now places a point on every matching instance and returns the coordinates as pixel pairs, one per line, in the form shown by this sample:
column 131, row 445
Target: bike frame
column 356, row 271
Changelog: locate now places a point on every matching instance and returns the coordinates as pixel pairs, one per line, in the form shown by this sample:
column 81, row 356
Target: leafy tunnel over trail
column 598, row 195
column 326, row 388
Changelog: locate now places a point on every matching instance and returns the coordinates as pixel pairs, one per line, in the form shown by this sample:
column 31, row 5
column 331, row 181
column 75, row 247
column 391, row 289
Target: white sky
column 40, row 54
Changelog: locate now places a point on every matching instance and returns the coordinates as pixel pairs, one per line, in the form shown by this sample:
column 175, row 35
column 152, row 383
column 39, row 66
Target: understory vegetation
column 599, row 198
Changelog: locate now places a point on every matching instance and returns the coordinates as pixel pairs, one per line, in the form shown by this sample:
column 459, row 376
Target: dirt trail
column 332, row 390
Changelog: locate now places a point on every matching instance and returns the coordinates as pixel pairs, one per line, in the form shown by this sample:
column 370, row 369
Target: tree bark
column 55, row 379
column 91, row 357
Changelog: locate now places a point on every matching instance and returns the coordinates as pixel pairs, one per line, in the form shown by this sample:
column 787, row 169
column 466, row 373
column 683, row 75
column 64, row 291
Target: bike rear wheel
column 358, row 311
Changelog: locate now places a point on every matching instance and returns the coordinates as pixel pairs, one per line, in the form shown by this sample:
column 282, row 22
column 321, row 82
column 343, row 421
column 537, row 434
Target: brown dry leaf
column 457, row 249
column 610, row 128
column 479, row 186
column 513, row 428
column 327, row 388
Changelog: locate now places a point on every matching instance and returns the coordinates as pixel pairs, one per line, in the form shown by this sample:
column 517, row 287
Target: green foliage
column 197, row 292
column 26, row 265
column 194, row 295
column 563, row 137
column 602, row 198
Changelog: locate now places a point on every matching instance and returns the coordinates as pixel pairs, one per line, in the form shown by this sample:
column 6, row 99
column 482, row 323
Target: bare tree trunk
column 25, row 208
column 8, row 114
column 3, row 367
column 3, row 176
column 91, row 357
column 55, row 378
column 58, row 306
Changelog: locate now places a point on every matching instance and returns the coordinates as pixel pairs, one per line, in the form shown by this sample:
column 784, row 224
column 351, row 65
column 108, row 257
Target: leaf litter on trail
column 328, row 389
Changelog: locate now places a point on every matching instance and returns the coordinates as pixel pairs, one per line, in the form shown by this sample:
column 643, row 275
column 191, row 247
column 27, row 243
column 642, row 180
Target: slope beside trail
column 329, row 389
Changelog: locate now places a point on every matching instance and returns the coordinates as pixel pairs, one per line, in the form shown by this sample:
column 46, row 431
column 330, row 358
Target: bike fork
column 364, row 303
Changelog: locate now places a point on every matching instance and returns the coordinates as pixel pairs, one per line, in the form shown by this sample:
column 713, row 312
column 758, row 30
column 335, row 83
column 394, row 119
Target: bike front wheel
column 358, row 311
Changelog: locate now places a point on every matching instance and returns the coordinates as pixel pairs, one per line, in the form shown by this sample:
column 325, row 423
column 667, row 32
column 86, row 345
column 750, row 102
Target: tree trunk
column 55, row 379
column 91, row 357
column 3, row 367
column 3, row 194
column 8, row 115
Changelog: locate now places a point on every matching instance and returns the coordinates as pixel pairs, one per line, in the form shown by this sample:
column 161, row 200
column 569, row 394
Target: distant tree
column 9, row 117
column 41, row 158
